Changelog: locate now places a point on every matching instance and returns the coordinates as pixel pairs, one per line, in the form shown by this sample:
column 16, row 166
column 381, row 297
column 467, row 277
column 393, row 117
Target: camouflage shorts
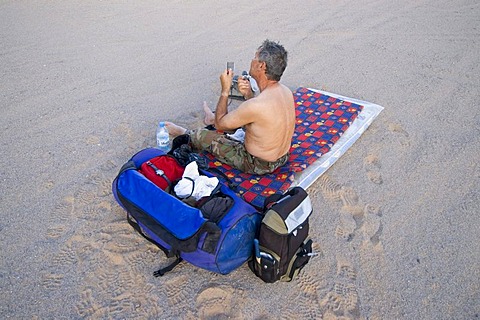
column 232, row 152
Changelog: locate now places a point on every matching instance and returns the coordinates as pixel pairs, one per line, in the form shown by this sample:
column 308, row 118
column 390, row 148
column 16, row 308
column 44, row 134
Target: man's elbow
column 221, row 125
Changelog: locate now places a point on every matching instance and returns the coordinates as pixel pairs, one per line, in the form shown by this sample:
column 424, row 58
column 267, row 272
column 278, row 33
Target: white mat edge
column 364, row 119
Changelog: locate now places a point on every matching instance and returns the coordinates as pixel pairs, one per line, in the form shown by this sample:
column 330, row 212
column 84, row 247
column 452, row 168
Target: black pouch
column 183, row 152
column 268, row 269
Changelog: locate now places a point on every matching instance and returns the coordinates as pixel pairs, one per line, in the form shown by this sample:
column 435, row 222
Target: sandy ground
column 83, row 84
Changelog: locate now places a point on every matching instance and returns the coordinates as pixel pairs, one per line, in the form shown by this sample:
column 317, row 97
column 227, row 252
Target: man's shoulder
column 278, row 94
column 268, row 98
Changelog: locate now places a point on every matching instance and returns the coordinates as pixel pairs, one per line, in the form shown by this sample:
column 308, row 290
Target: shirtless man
column 268, row 119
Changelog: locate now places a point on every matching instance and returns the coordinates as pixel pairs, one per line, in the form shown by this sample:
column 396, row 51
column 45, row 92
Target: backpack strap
column 162, row 271
column 209, row 245
column 270, row 200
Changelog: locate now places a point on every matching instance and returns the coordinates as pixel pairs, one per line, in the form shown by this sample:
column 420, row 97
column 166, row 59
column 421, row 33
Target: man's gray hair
column 275, row 57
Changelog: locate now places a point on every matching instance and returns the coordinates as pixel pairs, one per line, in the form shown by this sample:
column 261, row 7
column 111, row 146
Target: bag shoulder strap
column 160, row 173
column 270, row 200
column 161, row 272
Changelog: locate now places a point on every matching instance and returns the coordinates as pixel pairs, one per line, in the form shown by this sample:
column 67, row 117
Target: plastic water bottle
column 163, row 139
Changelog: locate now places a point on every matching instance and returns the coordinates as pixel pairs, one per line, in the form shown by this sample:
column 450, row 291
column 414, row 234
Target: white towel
column 203, row 184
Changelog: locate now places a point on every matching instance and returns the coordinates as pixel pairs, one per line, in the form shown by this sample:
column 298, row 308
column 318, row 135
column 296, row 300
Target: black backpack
column 282, row 247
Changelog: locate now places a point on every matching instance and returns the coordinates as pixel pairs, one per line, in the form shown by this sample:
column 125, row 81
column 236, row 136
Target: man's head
column 274, row 56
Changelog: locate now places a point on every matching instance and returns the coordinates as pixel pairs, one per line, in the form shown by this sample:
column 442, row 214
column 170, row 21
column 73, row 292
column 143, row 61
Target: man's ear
column 263, row 66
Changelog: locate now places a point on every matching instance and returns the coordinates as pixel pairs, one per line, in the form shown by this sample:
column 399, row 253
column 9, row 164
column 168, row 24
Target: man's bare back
column 269, row 136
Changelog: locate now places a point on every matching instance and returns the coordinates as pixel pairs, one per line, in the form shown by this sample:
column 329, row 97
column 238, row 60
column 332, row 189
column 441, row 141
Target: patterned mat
column 321, row 120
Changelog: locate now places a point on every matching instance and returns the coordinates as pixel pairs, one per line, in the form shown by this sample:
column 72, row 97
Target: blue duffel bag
column 217, row 235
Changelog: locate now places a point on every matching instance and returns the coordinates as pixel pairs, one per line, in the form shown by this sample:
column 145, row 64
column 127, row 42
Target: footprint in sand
column 359, row 225
column 93, row 140
column 52, row 281
column 348, row 296
column 350, row 202
column 144, row 259
column 350, row 214
column 85, row 196
column 372, row 225
column 307, row 304
column 353, row 215
column 102, row 184
column 342, row 300
column 65, row 257
column 86, row 307
column 96, row 211
column 119, row 293
column 109, row 166
column 108, row 255
column 124, row 130
column 346, row 271
column 331, row 302
column 113, row 281
column 119, row 307
column 128, row 304
column 55, row 232
column 398, row 129
column 63, row 211
column 305, row 307
column 215, row 303
column 346, row 228
column 60, row 218
column 308, row 283
column 330, row 189
column 86, row 252
column 120, row 239
column 371, row 164
column 312, row 281
column 178, row 290
column 349, row 197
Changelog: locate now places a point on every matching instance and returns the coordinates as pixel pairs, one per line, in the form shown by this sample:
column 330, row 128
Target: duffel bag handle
column 270, row 200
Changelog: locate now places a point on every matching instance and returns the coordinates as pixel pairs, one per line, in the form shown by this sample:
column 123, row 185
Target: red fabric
column 172, row 169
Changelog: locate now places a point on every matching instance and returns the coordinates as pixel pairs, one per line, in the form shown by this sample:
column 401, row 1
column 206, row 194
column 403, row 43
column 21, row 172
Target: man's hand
column 245, row 88
column 226, row 81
